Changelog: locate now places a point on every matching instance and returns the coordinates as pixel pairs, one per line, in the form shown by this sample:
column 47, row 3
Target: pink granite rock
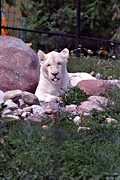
column 93, row 87
column 19, row 65
column 100, row 100
column 71, row 108
column 87, row 106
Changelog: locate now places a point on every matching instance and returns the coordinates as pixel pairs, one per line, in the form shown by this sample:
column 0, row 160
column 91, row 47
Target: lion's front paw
column 53, row 98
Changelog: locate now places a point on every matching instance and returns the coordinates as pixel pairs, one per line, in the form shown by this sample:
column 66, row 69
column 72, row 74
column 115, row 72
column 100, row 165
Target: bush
column 73, row 96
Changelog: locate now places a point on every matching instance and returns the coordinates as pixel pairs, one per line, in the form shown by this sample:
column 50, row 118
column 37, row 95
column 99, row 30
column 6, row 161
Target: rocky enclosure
column 24, row 105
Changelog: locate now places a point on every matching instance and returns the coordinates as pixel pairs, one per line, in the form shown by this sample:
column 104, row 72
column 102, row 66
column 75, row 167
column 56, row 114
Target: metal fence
column 18, row 31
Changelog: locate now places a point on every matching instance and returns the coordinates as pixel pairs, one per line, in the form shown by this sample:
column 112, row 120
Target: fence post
column 78, row 23
column 0, row 17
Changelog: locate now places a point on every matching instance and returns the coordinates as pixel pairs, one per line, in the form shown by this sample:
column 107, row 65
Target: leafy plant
column 113, row 107
column 99, row 116
column 73, row 96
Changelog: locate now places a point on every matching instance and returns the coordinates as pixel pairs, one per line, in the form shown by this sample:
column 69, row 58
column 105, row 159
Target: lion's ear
column 65, row 53
column 41, row 56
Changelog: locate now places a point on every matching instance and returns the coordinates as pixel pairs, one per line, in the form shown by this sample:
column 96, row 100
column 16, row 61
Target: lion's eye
column 59, row 63
column 48, row 65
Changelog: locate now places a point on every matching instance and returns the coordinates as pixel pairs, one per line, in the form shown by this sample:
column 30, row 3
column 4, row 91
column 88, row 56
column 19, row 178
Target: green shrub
column 73, row 96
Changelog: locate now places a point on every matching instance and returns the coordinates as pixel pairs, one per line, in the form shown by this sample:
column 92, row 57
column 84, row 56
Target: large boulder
column 19, row 65
column 93, row 87
column 97, row 87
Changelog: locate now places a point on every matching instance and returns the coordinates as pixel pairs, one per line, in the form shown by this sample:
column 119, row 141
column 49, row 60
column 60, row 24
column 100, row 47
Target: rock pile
column 24, row 105
column 19, row 104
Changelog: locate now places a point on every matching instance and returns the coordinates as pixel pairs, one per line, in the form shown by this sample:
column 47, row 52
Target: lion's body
column 54, row 77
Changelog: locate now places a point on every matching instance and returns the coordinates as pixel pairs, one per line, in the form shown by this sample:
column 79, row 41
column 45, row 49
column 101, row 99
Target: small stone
column 21, row 104
column 109, row 77
column 98, row 76
column 45, row 127
column 13, row 94
column 113, row 83
column 34, row 118
column 2, row 94
column 100, row 100
column 48, row 110
column 25, row 114
column 43, row 137
column 11, row 116
column 83, row 129
column 92, row 73
column 29, row 98
column 18, row 112
column 6, row 111
column 36, row 109
column 110, row 120
column 77, row 120
column 71, row 108
column 28, row 109
column 10, row 104
column 87, row 106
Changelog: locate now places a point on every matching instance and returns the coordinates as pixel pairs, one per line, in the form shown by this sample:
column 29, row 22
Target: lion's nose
column 55, row 73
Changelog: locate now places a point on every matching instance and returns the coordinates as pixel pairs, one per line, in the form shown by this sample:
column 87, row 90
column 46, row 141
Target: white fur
column 75, row 78
column 54, row 77
column 49, row 89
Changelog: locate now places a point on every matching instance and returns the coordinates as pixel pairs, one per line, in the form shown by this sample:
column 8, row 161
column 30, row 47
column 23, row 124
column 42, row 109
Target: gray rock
column 45, row 127
column 29, row 98
column 52, row 108
column 21, row 104
column 11, row 116
column 28, row 109
column 71, row 108
column 6, row 112
column 112, row 83
column 83, row 129
column 13, row 94
column 25, row 114
column 36, row 109
column 2, row 95
column 11, row 105
column 18, row 112
column 77, row 120
column 110, row 120
column 100, row 100
column 34, row 117
column 87, row 106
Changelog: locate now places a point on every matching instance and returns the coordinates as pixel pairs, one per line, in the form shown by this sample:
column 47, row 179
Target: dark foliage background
column 99, row 18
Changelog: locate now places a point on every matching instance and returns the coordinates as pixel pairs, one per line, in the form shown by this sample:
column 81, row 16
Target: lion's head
column 53, row 65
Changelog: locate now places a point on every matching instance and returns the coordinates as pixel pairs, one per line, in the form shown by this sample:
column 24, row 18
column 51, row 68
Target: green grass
column 73, row 96
column 104, row 67
column 29, row 152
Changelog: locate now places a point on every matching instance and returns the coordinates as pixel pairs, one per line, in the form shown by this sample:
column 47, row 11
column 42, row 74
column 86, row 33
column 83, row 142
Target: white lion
column 54, row 78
